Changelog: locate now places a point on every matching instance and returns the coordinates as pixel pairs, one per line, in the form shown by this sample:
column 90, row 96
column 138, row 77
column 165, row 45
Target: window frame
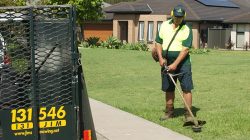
column 141, row 29
column 159, row 23
column 150, row 31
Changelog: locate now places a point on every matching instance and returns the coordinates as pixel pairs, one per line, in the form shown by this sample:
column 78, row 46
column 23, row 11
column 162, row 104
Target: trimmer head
column 195, row 128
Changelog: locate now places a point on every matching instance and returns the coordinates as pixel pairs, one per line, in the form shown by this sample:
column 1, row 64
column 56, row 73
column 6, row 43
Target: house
column 215, row 23
column 102, row 29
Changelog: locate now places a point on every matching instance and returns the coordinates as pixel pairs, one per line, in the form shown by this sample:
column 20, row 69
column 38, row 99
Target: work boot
column 169, row 113
column 188, row 117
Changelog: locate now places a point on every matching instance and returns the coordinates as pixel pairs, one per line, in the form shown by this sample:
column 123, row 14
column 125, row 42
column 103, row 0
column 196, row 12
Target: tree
column 117, row 1
column 12, row 3
column 87, row 10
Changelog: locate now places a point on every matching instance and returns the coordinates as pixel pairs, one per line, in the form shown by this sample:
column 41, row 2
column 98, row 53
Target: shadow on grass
column 180, row 111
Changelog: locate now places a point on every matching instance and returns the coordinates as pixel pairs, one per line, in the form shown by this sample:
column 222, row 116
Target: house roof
column 241, row 18
column 107, row 16
column 243, row 15
column 219, row 13
column 196, row 11
column 129, row 8
column 105, row 4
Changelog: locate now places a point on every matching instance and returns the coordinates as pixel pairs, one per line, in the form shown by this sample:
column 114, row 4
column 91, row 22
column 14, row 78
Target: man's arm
column 158, row 45
column 159, row 53
column 180, row 57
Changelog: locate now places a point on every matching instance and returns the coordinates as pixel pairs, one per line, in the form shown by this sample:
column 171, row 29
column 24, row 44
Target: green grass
column 130, row 81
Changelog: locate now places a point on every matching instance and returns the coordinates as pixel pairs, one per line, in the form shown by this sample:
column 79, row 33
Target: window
column 240, row 36
column 159, row 25
column 141, row 31
column 150, row 30
column 240, row 40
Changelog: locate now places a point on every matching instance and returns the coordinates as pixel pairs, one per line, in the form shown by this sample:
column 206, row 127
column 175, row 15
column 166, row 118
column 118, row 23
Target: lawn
column 130, row 80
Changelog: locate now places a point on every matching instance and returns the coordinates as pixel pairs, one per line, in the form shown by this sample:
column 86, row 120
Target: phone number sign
column 54, row 122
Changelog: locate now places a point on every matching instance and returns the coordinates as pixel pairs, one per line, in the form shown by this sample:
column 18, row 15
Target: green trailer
column 43, row 94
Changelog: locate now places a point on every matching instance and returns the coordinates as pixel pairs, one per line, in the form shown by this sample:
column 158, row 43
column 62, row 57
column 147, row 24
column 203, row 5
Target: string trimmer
column 196, row 124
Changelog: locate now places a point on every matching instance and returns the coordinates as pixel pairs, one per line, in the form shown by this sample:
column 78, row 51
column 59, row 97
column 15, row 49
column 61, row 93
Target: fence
column 218, row 38
column 39, row 89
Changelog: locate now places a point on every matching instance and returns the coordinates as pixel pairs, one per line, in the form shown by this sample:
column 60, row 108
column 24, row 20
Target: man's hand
column 162, row 62
column 172, row 67
column 155, row 54
column 181, row 56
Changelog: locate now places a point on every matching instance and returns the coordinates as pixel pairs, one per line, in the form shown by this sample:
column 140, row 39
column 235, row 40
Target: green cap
column 179, row 11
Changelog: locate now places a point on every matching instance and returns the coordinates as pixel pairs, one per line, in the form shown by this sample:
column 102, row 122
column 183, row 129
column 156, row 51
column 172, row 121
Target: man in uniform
column 176, row 56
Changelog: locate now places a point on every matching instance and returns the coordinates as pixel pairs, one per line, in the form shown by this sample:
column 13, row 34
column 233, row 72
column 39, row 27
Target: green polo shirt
column 183, row 38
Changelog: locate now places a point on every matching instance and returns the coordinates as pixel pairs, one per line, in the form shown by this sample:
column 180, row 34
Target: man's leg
column 188, row 98
column 168, row 87
column 186, row 86
column 169, row 111
column 169, row 97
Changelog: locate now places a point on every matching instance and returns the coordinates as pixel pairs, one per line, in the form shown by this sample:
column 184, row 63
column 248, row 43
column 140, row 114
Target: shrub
column 93, row 41
column 20, row 65
column 115, row 43
column 199, row 51
column 229, row 44
column 19, row 56
column 111, row 43
column 14, row 49
column 247, row 46
column 127, row 46
column 140, row 46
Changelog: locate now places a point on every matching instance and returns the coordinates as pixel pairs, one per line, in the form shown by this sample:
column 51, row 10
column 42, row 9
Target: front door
column 123, row 31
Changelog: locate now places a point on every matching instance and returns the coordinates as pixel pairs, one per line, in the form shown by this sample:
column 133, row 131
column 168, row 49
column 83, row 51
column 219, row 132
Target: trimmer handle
column 165, row 66
column 165, row 71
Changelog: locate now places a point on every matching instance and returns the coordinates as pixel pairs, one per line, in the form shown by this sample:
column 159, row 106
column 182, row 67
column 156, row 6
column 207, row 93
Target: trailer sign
column 22, row 118
column 53, row 122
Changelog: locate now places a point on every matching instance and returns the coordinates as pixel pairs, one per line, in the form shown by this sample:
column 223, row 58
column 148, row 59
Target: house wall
column 131, row 26
column 102, row 30
column 245, row 28
column 133, row 21
column 196, row 34
column 149, row 18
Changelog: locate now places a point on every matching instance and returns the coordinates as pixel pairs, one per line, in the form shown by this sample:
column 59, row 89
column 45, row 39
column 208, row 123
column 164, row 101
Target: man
column 177, row 58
